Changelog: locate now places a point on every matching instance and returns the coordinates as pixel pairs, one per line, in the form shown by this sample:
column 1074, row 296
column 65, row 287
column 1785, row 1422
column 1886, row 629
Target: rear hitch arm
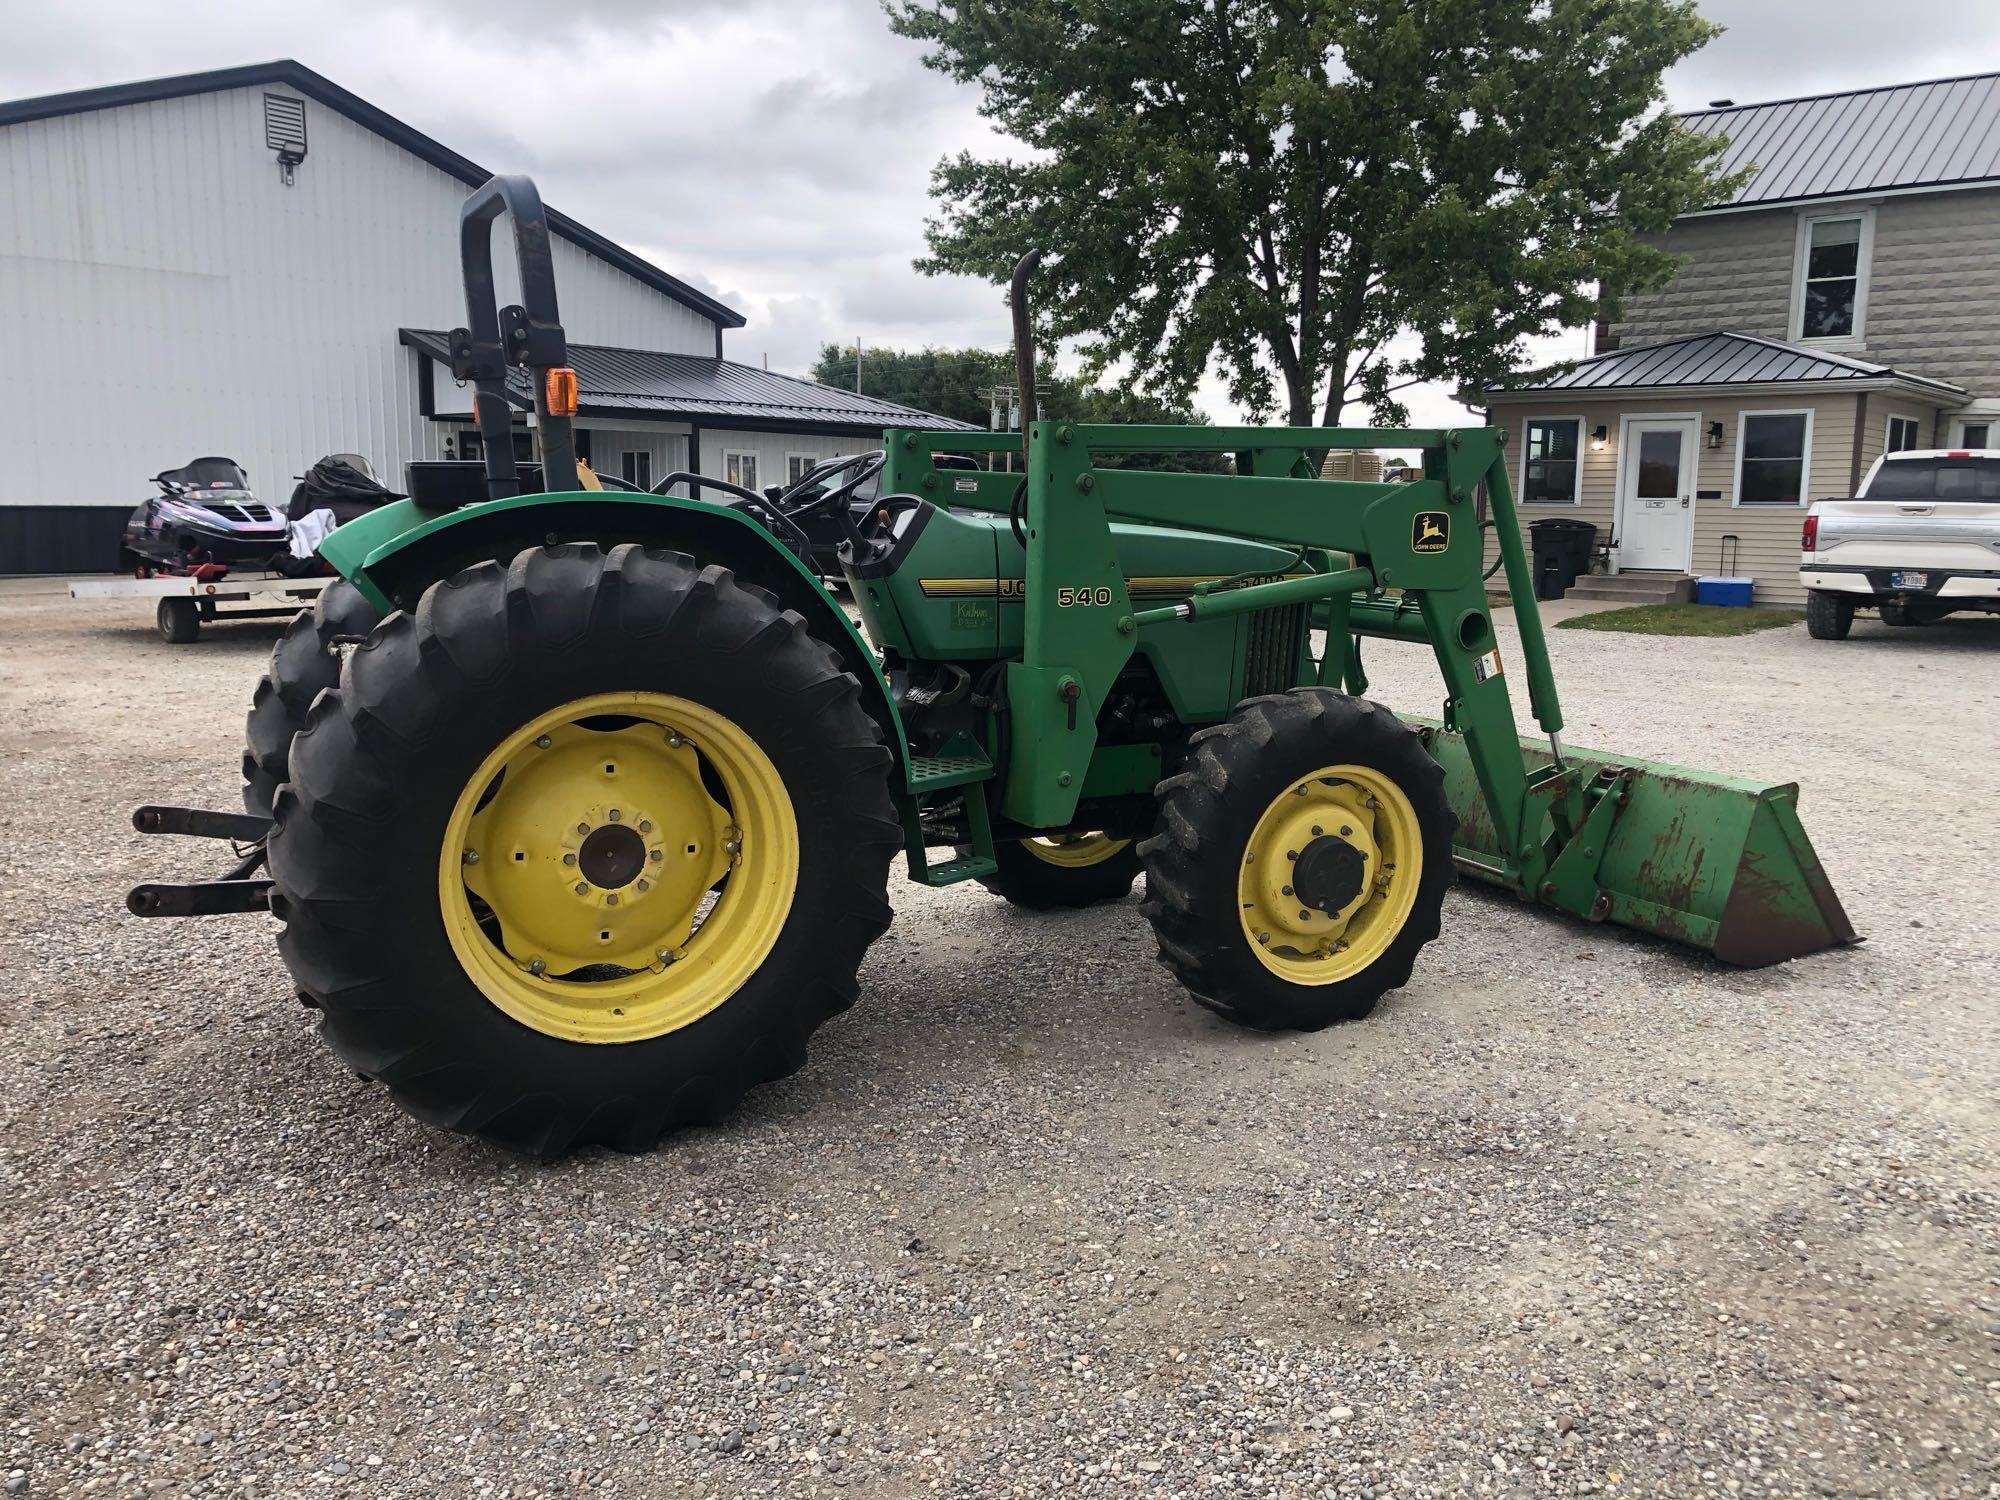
column 241, row 889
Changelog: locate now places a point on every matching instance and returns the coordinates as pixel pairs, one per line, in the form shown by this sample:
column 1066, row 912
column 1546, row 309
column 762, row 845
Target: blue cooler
column 1733, row 593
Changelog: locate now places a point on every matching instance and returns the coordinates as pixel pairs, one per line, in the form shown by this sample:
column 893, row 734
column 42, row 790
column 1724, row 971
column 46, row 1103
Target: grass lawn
column 1683, row 619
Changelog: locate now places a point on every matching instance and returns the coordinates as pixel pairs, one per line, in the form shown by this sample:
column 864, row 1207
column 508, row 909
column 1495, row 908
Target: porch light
column 1598, row 436
column 1715, row 434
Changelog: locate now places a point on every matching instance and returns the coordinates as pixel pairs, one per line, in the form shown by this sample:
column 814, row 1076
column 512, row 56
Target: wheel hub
column 1329, row 874
column 611, row 856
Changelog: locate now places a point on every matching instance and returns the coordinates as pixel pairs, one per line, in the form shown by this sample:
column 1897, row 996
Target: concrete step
column 1634, row 588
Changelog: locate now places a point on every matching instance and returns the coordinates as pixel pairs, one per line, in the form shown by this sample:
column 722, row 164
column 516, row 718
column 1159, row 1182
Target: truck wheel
column 1063, row 870
column 583, row 848
column 179, row 621
column 305, row 661
column 1828, row 616
column 1301, row 860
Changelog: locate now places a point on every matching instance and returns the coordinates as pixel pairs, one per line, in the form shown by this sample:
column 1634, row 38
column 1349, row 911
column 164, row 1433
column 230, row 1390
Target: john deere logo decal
column 1430, row 531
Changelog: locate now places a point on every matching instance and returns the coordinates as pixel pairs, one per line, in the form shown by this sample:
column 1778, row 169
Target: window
column 740, row 469
column 1830, row 297
column 1974, row 434
column 798, row 465
column 1937, row 479
column 636, row 466
column 1771, row 457
column 1550, row 472
column 1902, row 434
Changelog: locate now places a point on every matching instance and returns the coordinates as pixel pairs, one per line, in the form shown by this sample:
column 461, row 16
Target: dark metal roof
column 694, row 387
column 1720, row 359
column 298, row 76
column 1944, row 133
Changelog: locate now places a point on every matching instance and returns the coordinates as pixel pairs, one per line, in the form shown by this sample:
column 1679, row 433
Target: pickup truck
column 1919, row 542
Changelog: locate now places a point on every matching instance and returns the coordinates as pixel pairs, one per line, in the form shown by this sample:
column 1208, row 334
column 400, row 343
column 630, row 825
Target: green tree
column 1335, row 199
column 959, row 383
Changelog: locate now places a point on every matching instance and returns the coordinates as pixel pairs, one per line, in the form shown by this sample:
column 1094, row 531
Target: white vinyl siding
column 773, row 450
column 178, row 299
column 1766, row 537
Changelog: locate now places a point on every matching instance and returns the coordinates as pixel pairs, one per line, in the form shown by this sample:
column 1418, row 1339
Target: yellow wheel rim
column 1328, row 918
column 618, row 867
column 1074, row 851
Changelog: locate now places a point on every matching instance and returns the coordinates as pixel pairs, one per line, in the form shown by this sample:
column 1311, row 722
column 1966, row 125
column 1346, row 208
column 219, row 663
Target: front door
column 1657, row 506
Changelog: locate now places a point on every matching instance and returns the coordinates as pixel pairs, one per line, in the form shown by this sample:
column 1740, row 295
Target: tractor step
column 953, row 871
column 934, row 773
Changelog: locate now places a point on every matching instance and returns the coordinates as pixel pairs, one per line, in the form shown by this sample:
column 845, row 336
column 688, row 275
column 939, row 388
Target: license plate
column 1910, row 580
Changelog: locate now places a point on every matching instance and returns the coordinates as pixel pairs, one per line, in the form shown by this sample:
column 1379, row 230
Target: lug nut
column 1286, row 891
column 471, row 856
column 1264, row 937
column 655, row 856
column 536, row 966
column 1291, row 854
column 1305, row 916
column 616, row 815
column 1317, row 830
column 645, row 885
column 674, row 740
column 583, row 828
column 569, row 859
column 1344, row 829
column 645, row 826
column 666, row 955
column 541, row 742
column 611, row 900
column 732, row 847
column 583, row 887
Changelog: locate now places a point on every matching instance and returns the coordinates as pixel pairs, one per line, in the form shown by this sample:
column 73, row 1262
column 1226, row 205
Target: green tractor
column 578, row 807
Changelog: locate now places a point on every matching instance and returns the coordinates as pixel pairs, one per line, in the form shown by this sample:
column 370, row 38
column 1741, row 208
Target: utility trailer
column 185, row 604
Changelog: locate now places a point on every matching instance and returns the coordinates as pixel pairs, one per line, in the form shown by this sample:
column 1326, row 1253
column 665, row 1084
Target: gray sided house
column 1845, row 302
column 255, row 262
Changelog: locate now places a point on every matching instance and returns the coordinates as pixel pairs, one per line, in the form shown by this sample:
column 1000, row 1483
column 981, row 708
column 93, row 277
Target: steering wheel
column 835, row 500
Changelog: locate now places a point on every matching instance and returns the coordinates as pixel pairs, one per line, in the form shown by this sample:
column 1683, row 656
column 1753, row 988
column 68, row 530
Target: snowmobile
column 204, row 518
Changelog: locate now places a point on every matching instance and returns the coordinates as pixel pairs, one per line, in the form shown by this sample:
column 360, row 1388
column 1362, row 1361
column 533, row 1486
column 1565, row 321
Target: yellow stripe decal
column 1015, row 588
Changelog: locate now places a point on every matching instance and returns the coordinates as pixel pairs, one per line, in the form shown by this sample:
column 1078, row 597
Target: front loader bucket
column 1711, row 861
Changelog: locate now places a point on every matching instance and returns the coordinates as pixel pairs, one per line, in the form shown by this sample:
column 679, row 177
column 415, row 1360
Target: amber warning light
column 559, row 391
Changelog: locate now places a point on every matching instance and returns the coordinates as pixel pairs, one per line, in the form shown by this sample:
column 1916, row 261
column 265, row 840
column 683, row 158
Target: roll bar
column 530, row 335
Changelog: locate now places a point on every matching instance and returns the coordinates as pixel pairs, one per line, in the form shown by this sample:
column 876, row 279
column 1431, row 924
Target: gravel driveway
column 1575, row 1212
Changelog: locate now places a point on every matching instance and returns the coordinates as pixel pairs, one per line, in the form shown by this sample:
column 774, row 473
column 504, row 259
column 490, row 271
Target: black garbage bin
column 1561, row 553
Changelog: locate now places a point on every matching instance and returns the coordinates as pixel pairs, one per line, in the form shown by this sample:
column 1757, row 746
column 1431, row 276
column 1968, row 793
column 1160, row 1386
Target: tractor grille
column 1272, row 641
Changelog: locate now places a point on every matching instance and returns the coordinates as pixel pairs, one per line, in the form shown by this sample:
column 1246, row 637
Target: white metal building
column 249, row 262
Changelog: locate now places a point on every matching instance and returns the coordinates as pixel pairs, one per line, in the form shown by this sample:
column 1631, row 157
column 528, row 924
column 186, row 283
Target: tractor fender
column 394, row 553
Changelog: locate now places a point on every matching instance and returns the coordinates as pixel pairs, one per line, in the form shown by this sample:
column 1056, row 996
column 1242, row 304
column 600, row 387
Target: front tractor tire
column 1301, row 860
column 1063, row 871
column 583, row 849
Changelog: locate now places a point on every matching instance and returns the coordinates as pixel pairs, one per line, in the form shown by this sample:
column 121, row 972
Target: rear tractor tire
column 304, row 663
column 1301, row 861
column 1063, row 871
column 583, row 848
column 1829, row 616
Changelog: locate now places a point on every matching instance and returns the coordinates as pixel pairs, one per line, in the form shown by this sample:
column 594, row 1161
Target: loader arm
column 1717, row 862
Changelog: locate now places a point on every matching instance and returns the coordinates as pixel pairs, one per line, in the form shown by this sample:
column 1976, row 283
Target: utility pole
column 857, row 367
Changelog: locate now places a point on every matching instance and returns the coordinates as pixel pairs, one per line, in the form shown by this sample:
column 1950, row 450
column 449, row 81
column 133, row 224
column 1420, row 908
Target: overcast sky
column 777, row 152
